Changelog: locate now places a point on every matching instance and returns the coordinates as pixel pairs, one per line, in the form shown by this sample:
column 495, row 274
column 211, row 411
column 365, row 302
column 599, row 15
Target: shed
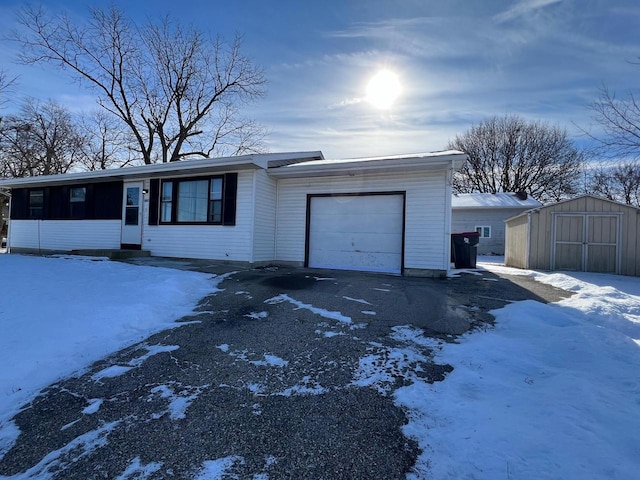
column 586, row 233
column 384, row 214
column 485, row 213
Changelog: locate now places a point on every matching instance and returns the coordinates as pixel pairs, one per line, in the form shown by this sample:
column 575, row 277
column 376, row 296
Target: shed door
column 356, row 232
column 586, row 243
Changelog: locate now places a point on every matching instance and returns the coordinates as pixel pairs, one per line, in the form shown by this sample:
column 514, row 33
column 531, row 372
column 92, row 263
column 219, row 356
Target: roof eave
column 495, row 207
column 185, row 167
column 359, row 167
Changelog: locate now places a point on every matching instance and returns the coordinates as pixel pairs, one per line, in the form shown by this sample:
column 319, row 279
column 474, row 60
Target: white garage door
column 356, row 232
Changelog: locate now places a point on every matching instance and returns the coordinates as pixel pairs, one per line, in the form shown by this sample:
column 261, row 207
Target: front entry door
column 132, row 215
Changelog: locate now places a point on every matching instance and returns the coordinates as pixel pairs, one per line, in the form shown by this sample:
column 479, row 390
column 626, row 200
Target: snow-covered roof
column 492, row 200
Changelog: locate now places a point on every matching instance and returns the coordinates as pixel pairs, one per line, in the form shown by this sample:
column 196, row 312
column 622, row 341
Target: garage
column 356, row 232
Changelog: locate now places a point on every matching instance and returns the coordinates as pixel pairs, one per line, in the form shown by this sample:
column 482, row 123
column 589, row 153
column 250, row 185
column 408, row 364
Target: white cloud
column 523, row 9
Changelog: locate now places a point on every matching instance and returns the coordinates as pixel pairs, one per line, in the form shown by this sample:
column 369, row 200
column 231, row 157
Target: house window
column 166, row 202
column 215, row 201
column 77, row 197
column 484, row 231
column 192, row 201
column 36, row 202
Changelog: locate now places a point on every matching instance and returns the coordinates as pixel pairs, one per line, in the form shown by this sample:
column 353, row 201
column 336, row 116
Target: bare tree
column 42, row 139
column 620, row 122
column 6, row 82
column 509, row 154
column 104, row 143
column 176, row 90
column 619, row 182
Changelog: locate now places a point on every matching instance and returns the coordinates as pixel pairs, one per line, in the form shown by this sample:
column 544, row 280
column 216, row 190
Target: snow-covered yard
column 552, row 391
column 59, row 315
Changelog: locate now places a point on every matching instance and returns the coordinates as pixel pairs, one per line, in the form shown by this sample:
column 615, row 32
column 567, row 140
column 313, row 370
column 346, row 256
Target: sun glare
column 383, row 89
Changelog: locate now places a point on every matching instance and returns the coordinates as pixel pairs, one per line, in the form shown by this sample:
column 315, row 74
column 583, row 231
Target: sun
column 383, row 89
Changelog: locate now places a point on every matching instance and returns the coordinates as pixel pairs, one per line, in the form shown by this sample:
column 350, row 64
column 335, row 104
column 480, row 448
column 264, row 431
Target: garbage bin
column 464, row 249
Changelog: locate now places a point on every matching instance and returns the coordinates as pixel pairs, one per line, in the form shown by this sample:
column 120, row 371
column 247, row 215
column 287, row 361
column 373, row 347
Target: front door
column 132, row 215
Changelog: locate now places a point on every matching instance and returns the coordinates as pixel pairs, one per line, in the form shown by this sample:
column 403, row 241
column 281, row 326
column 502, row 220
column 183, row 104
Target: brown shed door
column 586, row 243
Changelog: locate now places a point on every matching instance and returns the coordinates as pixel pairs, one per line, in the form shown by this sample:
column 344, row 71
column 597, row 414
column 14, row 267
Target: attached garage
column 356, row 232
column 380, row 214
column 587, row 234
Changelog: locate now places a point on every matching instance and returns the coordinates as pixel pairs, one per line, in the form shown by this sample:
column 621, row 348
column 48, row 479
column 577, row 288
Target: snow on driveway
column 552, row 391
column 59, row 315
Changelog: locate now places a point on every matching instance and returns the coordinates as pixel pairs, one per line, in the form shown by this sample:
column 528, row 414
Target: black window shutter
column 107, row 201
column 19, row 199
column 154, row 195
column 89, row 202
column 55, row 200
column 65, row 208
column 229, row 202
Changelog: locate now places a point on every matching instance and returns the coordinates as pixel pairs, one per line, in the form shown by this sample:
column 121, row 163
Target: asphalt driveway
column 285, row 373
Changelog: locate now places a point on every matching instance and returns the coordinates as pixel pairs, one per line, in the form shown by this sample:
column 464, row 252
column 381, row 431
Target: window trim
column 480, row 230
column 175, row 188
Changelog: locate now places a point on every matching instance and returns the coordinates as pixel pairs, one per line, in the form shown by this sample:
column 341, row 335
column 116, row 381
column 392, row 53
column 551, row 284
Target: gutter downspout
column 447, row 217
column 528, row 240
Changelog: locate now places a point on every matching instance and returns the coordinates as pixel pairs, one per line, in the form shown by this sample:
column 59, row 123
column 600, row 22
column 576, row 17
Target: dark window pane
column 36, row 198
column 77, row 194
column 131, row 216
column 167, row 191
column 35, row 212
column 133, row 196
column 215, row 211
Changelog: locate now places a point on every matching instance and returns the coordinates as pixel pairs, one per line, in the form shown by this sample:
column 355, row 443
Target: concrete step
column 113, row 254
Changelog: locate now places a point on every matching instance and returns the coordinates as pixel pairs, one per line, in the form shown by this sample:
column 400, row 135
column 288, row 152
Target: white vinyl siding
column 206, row 241
column 426, row 215
column 264, row 217
column 65, row 235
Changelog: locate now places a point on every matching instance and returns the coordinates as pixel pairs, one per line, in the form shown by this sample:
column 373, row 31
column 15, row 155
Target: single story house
column 586, row 233
column 385, row 214
column 485, row 213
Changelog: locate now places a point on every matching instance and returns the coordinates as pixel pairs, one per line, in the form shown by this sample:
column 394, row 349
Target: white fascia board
column 408, row 163
column 183, row 167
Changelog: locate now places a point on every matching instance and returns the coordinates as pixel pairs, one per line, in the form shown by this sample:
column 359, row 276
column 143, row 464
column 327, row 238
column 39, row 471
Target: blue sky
column 458, row 61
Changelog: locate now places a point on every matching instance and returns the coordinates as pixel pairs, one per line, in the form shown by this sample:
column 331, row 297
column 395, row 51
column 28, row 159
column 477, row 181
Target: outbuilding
column 485, row 213
column 385, row 214
column 586, row 233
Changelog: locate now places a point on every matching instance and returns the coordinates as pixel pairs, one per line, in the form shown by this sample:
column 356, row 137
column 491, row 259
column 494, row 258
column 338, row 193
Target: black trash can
column 464, row 249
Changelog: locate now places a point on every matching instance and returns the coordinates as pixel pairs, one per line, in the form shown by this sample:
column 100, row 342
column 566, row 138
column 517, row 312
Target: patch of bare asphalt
column 284, row 374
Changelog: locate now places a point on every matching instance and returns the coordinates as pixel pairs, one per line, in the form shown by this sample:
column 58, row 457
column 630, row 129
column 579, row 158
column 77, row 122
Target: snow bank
column 59, row 315
column 551, row 392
